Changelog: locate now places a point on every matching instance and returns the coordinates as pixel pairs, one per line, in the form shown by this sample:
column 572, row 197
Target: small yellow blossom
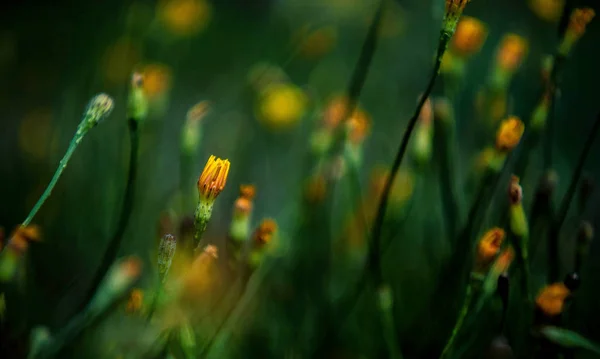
column 213, row 178
column 282, row 105
column 470, row 35
column 509, row 134
column 548, row 10
column 513, row 49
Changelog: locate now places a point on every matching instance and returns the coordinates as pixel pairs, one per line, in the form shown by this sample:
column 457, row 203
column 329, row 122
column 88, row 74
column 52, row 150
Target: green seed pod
column 166, row 251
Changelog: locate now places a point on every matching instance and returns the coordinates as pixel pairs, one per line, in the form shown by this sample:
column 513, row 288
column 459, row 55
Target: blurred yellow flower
column 469, row 37
column 281, row 106
column 551, row 299
column 402, row 188
column 511, row 52
column 315, row 43
column 184, row 17
column 119, row 60
column 509, row 134
column 157, row 80
column 548, row 10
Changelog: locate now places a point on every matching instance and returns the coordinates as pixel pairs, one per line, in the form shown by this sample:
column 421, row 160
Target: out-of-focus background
column 54, row 56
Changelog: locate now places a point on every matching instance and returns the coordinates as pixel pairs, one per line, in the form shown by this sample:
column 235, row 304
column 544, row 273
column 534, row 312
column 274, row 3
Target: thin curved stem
column 113, row 246
column 374, row 259
column 568, row 198
column 61, row 167
column 459, row 322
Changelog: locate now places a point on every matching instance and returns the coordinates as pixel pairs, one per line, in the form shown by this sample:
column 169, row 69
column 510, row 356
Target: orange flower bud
column 265, row 231
column 551, row 299
column 489, row 246
column 243, row 205
column 504, row 261
column 335, row 111
column 213, row 178
column 511, row 52
column 22, row 236
column 509, row 134
column 580, row 18
column 454, row 9
column 469, row 36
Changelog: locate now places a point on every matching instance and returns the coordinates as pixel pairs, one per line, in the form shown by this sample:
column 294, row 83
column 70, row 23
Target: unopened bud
column 97, row 110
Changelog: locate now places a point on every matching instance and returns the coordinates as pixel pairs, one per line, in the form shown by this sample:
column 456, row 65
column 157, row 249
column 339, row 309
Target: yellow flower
column 509, row 134
column 402, row 188
column 213, row 178
column 282, row 106
column 184, row 17
column 511, row 52
column 157, row 80
column 469, row 37
column 548, row 10
column 489, row 246
column 135, row 301
column 551, row 299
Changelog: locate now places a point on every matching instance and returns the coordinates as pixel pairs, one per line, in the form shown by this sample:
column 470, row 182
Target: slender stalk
column 445, row 155
column 61, row 167
column 359, row 77
column 459, row 322
column 553, row 83
column 567, row 199
column 154, row 303
column 98, row 108
column 113, row 246
column 373, row 264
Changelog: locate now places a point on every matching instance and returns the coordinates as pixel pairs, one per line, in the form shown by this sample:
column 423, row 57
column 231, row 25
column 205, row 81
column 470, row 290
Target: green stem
column 113, row 246
column 444, row 138
column 372, row 266
column 154, row 302
column 81, row 132
column 553, row 83
column 567, row 199
column 374, row 259
column 459, row 322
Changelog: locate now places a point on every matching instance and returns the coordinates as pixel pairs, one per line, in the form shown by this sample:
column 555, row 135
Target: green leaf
column 569, row 339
